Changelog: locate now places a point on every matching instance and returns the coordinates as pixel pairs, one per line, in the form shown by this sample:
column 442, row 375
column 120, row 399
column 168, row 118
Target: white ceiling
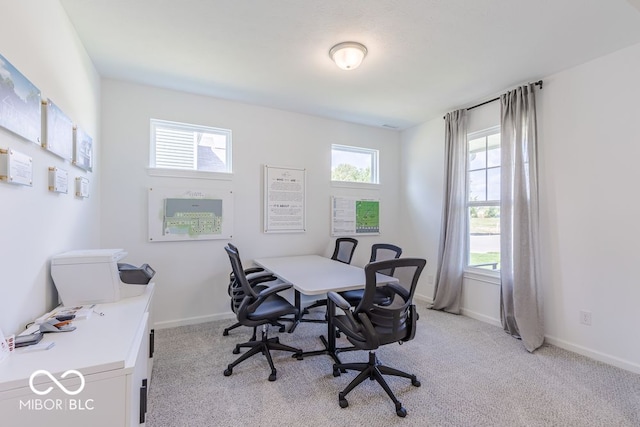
column 425, row 57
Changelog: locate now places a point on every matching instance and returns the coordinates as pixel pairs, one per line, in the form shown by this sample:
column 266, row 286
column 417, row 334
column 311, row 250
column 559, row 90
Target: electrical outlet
column 585, row 317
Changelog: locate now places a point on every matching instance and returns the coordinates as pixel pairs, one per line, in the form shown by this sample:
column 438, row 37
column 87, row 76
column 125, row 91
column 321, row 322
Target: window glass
column 354, row 164
column 191, row 147
column 484, row 237
column 483, row 175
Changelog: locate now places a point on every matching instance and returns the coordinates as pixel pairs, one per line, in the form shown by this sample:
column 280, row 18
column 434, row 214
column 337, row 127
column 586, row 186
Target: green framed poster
column 352, row 216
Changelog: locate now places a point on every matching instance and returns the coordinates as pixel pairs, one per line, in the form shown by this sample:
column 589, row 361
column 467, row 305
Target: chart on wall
column 190, row 214
column 284, row 200
column 352, row 216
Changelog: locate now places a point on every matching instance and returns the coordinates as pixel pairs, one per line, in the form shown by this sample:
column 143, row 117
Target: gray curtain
column 453, row 235
column 520, row 297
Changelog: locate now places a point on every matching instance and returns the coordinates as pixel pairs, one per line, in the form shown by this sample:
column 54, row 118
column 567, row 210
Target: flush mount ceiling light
column 348, row 55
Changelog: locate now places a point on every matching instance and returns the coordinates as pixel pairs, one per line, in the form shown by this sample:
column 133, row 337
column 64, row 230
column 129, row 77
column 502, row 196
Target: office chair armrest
column 397, row 289
column 259, row 277
column 247, row 271
column 273, row 290
column 369, row 331
column 265, row 293
column 339, row 301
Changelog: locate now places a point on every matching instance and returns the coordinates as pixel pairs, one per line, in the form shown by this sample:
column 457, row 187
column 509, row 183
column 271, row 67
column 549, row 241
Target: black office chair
column 368, row 325
column 343, row 252
column 383, row 296
column 254, row 309
column 255, row 276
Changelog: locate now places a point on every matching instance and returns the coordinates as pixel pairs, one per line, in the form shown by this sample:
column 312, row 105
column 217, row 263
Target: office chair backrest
column 384, row 251
column 396, row 321
column 345, row 247
column 239, row 287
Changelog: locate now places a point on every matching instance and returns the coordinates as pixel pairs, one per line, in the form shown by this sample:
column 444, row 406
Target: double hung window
column 483, row 203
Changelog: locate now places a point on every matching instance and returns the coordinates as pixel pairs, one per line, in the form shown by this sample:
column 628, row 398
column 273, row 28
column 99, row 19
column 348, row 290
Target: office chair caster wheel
column 225, row 333
column 228, row 372
column 272, row 377
column 236, row 350
column 415, row 382
column 342, row 401
column 336, row 371
column 299, row 356
column 277, row 340
column 401, row 412
column 282, row 329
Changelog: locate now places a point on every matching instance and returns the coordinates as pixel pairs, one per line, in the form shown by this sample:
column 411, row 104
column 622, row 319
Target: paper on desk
column 81, row 312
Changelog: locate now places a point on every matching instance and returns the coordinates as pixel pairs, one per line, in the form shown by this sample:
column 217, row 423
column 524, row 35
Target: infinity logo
column 52, row 378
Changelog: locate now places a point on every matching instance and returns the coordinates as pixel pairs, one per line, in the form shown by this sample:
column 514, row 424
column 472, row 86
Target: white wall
column 192, row 276
column 37, row 38
column 588, row 151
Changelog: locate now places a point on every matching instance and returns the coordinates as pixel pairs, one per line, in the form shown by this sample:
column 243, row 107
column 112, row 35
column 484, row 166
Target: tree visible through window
column 483, row 174
column 354, row 164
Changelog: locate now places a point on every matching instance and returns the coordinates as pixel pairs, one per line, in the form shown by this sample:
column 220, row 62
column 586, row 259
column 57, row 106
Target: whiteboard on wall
column 190, row 214
column 284, row 199
column 352, row 216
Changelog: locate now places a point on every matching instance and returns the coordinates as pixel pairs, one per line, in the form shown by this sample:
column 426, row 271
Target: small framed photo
column 58, row 131
column 82, row 187
column 16, row 168
column 82, row 149
column 58, row 180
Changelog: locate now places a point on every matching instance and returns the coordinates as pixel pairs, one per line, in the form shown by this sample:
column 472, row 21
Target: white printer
column 94, row 276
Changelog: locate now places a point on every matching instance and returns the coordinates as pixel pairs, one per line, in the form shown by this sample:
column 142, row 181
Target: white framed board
column 284, row 199
column 190, row 214
column 352, row 216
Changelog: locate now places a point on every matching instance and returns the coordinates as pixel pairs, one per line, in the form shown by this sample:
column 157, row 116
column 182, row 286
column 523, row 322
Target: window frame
column 374, row 164
column 470, row 271
column 193, row 172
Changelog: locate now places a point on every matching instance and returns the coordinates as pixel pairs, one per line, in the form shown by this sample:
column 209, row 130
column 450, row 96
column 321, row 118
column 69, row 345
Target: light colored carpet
column 472, row 374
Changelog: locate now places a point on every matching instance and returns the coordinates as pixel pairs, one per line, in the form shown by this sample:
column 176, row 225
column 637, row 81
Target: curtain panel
column 453, row 235
column 520, row 296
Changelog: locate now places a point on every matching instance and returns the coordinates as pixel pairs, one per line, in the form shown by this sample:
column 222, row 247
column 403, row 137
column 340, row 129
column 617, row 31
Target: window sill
column 361, row 185
column 180, row 173
column 482, row 275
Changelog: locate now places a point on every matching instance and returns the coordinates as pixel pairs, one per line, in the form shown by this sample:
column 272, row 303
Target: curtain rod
column 538, row 83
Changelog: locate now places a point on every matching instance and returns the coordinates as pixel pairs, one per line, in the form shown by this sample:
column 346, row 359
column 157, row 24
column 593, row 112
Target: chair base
column 264, row 346
column 373, row 370
column 253, row 337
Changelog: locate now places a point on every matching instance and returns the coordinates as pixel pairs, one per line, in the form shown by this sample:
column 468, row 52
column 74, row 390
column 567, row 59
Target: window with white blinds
column 190, row 147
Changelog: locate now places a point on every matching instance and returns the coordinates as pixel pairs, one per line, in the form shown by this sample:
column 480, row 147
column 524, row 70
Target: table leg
column 296, row 319
column 329, row 342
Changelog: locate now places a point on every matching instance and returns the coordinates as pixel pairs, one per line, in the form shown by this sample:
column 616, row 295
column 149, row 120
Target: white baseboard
column 481, row 317
column 423, row 298
column 592, row 354
column 596, row 355
column 193, row 320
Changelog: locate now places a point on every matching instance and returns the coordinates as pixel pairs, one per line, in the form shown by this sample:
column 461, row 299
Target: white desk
column 112, row 352
column 314, row 275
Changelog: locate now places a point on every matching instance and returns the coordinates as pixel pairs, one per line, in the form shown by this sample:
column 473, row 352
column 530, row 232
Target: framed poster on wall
column 352, row 216
column 20, row 103
column 284, row 199
column 58, row 131
column 190, row 214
